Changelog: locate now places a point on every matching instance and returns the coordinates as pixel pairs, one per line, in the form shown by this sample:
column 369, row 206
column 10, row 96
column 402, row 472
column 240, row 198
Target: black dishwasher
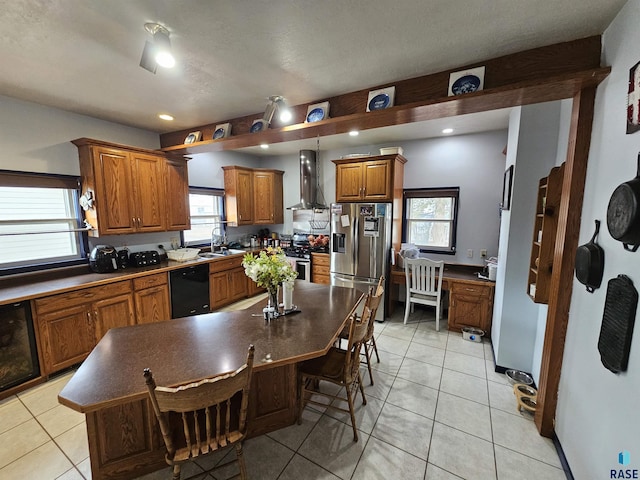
column 189, row 291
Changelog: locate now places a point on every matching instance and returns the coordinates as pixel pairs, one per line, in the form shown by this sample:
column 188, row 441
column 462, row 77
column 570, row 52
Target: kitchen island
column 124, row 440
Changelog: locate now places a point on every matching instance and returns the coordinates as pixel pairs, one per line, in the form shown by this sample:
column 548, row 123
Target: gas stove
column 304, row 251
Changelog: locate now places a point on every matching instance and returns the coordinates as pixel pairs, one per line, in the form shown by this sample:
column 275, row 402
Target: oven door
column 303, row 267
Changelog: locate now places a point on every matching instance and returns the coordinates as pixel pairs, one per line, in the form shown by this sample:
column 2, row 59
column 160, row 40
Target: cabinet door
column 152, row 304
column 149, row 189
column 253, row 288
column 177, row 196
column 219, row 291
column 377, row 180
column 349, row 182
column 112, row 312
column 238, row 284
column 470, row 305
column 114, row 199
column 263, row 196
column 67, row 337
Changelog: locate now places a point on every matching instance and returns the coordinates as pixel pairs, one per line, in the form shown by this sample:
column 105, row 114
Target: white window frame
column 210, row 220
column 449, row 192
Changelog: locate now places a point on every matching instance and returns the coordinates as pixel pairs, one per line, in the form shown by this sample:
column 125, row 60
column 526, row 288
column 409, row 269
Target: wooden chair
column 423, row 284
column 340, row 367
column 204, row 416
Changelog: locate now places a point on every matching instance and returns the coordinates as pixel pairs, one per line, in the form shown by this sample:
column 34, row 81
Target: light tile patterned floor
column 437, row 411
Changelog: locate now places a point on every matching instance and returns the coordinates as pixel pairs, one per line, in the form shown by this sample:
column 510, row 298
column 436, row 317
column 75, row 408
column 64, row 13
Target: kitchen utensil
column 618, row 319
column 590, row 262
column 623, row 213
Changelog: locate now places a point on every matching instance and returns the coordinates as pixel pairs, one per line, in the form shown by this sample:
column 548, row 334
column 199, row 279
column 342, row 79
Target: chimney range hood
column 308, row 182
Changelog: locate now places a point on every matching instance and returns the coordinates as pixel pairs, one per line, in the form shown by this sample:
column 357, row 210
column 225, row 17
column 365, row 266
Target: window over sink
column 206, row 206
column 430, row 219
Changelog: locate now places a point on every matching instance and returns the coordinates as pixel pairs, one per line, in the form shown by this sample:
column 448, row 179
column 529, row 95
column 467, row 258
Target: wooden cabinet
column 253, row 196
column 227, row 282
column 134, row 190
column 70, row 324
column 320, row 268
column 544, row 235
column 470, row 305
column 177, row 195
column 152, row 298
column 369, row 178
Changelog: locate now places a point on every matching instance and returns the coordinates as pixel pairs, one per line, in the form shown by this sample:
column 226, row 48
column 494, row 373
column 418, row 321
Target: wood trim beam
column 564, row 258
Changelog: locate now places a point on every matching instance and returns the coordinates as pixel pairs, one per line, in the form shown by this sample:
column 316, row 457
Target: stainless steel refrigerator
column 360, row 245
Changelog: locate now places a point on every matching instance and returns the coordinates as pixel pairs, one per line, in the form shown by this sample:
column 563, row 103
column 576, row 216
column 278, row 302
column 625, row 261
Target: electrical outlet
column 470, row 253
column 483, row 253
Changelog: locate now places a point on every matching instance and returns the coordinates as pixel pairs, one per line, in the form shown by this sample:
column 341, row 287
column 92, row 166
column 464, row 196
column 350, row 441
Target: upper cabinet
column 371, row 179
column 133, row 190
column 253, row 196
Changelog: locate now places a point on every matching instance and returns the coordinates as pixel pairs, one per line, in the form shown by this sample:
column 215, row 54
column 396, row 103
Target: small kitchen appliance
column 103, row 259
column 143, row 259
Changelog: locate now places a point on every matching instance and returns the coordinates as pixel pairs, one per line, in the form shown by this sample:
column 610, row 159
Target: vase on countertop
column 271, row 310
column 287, row 296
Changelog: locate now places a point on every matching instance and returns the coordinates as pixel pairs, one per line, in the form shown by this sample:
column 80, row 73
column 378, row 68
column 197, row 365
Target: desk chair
column 424, row 285
column 340, row 367
column 200, row 417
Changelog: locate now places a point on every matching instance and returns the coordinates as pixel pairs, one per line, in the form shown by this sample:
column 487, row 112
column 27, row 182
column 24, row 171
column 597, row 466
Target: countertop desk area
column 470, row 297
column 109, row 388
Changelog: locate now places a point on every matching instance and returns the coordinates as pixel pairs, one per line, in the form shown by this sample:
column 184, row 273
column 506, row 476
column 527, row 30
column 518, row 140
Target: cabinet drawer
column 79, row 297
column 321, row 259
column 460, row 288
column 320, row 270
column 150, row 281
column 220, row 265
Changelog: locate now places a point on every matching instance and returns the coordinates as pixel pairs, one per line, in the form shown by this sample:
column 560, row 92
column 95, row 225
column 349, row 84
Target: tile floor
column 437, row 411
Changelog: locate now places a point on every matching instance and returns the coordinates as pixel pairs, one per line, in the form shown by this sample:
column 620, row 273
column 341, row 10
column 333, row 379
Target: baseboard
column 563, row 459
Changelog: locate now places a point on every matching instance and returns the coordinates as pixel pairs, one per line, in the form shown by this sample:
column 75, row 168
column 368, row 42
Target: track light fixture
column 276, row 102
column 158, row 52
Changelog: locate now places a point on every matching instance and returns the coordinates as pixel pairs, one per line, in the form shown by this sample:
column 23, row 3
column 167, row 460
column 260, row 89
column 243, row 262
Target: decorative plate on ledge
column 381, row 99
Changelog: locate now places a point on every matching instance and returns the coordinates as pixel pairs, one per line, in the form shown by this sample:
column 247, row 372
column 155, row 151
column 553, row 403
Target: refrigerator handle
column 356, row 232
column 373, row 245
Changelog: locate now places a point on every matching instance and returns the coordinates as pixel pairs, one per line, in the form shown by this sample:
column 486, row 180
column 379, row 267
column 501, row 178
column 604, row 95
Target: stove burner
column 304, row 251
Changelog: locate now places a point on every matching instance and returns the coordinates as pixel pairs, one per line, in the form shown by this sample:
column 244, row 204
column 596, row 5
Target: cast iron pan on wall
column 590, row 262
column 623, row 213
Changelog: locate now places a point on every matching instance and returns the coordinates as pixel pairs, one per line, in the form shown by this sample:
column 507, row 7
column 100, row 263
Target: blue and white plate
column 465, row 84
column 190, row 138
column 315, row 115
column 256, row 127
column 379, row 102
column 219, row 133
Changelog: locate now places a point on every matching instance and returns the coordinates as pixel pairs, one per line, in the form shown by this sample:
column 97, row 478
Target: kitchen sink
column 231, row 251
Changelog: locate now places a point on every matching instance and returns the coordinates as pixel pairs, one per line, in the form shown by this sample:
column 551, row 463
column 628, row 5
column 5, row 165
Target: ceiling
column 83, row 55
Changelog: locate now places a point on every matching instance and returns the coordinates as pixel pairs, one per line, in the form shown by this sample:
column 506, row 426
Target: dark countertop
column 187, row 349
column 39, row 284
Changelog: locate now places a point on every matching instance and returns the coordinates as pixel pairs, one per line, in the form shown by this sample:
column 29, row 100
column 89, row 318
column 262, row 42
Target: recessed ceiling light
column 165, row 116
column 354, row 133
column 264, row 146
column 447, row 130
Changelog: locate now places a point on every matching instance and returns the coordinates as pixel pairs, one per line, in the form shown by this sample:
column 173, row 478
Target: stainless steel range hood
column 308, row 182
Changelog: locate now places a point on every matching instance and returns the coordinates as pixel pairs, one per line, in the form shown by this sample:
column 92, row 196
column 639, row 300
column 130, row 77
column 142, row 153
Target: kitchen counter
column 109, row 386
column 17, row 288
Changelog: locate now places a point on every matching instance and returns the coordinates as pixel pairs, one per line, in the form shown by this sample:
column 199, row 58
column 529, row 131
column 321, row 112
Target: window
column 431, row 219
column 40, row 222
column 206, row 206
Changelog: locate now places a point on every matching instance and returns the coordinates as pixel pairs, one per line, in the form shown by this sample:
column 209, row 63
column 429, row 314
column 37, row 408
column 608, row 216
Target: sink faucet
column 219, row 238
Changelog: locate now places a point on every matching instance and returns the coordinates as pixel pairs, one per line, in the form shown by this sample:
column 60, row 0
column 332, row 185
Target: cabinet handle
column 133, row 220
column 470, row 289
column 138, row 222
column 88, row 317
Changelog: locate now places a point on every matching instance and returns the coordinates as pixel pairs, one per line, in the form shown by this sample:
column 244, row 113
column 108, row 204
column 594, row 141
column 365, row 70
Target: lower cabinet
column 152, row 298
column 320, row 268
column 227, row 282
column 470, row 306
column 70, row 324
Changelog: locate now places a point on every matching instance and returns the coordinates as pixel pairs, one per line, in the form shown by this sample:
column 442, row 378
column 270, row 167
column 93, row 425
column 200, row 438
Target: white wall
column 532, row 149
column 474, row 163
column 597, row 414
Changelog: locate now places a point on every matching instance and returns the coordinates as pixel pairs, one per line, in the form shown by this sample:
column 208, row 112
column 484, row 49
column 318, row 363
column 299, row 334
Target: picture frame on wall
column 506, row 188
column 633, row 99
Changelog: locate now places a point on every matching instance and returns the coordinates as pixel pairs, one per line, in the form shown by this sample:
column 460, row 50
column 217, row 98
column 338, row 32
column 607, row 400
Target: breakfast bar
column 109, row 388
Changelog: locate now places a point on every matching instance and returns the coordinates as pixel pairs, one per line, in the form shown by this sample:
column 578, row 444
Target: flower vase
column 271, row 310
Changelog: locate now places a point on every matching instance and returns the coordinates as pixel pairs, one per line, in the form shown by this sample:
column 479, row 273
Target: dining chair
column 338, row 366
column 423, row 284
column 204, row 416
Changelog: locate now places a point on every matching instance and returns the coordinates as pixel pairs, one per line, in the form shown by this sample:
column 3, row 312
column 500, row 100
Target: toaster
column 143, row 259
column 103, row 259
